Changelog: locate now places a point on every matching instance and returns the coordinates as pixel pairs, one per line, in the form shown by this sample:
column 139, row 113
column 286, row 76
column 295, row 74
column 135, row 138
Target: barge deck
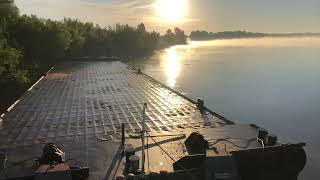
column 82, row 105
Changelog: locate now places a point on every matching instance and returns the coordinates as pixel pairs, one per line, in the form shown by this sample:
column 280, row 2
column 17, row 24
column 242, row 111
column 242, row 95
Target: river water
column 272, row 82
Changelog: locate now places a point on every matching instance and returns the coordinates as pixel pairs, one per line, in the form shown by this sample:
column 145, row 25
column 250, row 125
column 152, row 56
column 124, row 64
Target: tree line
column 205, row 35
column 30, row 45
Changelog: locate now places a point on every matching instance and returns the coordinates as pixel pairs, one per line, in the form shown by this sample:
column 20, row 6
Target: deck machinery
column 208, row 155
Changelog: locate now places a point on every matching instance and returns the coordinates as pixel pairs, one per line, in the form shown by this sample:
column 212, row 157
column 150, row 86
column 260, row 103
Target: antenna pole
column 142, row 136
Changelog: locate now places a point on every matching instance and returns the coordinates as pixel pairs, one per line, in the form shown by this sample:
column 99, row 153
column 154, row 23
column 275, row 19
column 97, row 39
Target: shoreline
column 316, row 35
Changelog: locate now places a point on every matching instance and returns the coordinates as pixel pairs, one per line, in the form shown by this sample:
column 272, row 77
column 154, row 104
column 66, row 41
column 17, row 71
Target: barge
column 106, row 120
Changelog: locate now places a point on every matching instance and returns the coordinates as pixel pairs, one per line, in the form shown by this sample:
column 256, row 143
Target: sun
column 171, row 10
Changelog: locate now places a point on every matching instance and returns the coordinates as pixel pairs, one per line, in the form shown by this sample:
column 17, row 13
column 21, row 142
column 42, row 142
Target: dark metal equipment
column 3, row 159
column 262, row 133
column 52, row 165
column 283, row 162
column 200, row 105
column 189, row 162
column 196, row 144
column 272, row 162
column 52, row 154
column 134, row 163
column 272, row 140
column 129, row 151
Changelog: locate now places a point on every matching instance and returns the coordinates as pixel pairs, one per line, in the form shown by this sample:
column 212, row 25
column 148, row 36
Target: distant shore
column 204, row 35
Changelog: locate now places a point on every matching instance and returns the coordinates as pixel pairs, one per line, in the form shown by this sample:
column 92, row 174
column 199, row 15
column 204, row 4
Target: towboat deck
column 222, row 140
column 81, row 106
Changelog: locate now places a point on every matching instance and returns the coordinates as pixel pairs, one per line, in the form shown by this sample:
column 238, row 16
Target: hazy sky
column 211, row 15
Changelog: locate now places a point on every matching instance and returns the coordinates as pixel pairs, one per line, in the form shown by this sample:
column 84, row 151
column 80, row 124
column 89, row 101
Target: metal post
column 142, row 136
column 123, row 136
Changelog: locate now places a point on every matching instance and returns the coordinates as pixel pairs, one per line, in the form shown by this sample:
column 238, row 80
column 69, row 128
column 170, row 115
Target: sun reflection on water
column 173, row 59
column 172, row 66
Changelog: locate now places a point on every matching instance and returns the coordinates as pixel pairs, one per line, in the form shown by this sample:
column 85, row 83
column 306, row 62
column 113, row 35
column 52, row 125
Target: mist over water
column 272, row 82
column 259, row 42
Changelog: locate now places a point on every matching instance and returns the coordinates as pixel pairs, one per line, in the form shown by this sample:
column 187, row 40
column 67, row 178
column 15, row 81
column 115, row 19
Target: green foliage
column 8, row 9
column 42, row 41
column 204, row 35
column 10, row 60
column 119, row 40
column 176, row 37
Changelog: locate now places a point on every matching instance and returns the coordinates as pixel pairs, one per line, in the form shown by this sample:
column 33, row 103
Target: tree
column 169, row 37
column 59, row 37
column 141, row 28
column 8, row 9
column 42, row 41
column 9, row 61
column 176, row 37
column 180, row 37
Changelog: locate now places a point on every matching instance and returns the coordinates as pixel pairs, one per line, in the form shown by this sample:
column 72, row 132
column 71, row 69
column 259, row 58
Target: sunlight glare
column 173, row 66
column 171, row 10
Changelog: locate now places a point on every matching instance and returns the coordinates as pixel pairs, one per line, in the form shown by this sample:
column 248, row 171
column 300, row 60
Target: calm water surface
column 274, row 83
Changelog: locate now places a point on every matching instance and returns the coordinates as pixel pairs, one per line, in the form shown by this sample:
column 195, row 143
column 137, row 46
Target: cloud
column 87, row 10
column 102, row 12
column 120, row 4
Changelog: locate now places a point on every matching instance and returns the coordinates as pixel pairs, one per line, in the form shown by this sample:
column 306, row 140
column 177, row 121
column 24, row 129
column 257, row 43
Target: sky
column 272, row 16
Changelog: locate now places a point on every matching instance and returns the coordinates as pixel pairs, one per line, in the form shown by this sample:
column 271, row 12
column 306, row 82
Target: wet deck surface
column 81, row 106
